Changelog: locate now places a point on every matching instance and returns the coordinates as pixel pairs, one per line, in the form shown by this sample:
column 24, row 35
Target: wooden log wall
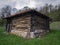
column 39, row 26
column 40, row 23
column 21, row 23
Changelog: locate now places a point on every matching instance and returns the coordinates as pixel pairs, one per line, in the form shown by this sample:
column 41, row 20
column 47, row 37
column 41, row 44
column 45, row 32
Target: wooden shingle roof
column 31, row 11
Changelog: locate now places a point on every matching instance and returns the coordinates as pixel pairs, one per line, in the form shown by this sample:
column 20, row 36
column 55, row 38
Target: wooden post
column 8, row 25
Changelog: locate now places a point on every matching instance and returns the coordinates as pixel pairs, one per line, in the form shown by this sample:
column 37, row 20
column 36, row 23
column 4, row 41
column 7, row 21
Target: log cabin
column 28, row 24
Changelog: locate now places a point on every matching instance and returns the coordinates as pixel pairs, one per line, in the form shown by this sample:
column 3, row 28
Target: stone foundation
column 19, row 33
column 28, row 34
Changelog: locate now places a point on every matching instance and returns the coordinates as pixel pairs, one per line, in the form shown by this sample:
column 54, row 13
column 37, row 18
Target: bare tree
column 44, row 9
column 50, row 7
column 6, row 11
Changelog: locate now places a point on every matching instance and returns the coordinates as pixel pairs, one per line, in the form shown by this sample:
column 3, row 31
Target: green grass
column 52, row 38
column 55, row 25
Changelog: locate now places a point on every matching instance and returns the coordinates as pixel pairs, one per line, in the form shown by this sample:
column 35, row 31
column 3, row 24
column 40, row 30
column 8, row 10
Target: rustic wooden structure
column 28, row 24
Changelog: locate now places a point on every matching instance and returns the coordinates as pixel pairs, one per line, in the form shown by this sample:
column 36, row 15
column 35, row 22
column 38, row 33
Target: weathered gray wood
column 8, row 25
column 25, row 25
column 22, row 23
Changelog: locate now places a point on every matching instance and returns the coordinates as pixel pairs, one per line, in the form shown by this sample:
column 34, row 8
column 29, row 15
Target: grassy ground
column 52, row 38
column 55, row 25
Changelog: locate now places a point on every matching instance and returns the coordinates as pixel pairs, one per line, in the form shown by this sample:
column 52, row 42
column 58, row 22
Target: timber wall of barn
column 21, row 26
column 40, row 23
column 39, row 26
column 29, row 26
